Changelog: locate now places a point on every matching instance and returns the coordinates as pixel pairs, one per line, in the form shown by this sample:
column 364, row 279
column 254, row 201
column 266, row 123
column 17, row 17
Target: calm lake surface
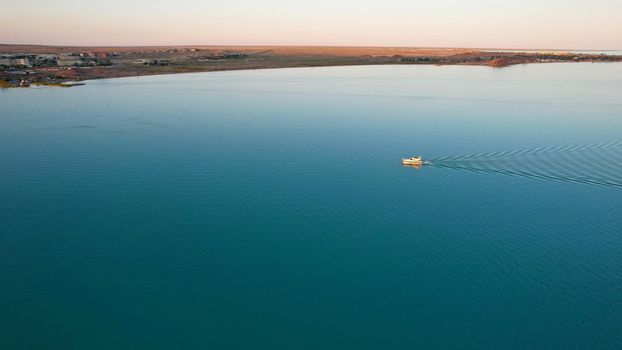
column 269, row 209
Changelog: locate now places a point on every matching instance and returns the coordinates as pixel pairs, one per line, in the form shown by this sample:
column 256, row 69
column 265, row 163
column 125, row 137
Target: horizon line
column 303, row 45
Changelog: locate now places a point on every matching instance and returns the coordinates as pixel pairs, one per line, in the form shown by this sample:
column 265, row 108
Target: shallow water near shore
column 269, row 209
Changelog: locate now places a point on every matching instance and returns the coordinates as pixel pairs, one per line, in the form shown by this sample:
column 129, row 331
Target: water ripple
column 593, row 164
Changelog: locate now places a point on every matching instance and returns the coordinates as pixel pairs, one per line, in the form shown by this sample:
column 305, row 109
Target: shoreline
column 68, row 83
column 76, row 64
column 84, row 82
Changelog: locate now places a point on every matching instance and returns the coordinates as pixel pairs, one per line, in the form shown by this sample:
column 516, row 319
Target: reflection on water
column 414, row 166
column 594, row 164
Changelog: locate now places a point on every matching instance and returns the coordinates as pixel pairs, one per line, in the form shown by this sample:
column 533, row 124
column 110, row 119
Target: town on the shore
column 23, row 69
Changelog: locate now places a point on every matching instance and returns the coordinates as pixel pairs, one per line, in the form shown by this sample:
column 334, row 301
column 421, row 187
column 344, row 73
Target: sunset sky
column 555, row 24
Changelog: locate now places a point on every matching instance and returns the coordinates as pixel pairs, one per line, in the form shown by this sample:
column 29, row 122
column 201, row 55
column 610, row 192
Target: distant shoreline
column 22, row 65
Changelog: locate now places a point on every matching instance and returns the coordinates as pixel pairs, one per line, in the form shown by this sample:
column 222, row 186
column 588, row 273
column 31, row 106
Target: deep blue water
column 269, row 209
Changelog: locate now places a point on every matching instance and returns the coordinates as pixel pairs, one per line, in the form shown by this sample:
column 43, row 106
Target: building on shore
column 21, row 62
column 15, row 62
column 69, row 61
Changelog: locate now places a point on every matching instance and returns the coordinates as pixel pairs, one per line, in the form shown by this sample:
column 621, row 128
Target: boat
column 412, row 161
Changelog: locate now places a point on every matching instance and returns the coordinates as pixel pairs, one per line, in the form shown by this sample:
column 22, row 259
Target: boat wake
column 594, row 164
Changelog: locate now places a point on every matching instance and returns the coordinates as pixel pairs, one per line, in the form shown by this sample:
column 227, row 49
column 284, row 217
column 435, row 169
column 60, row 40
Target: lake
column 270, row 209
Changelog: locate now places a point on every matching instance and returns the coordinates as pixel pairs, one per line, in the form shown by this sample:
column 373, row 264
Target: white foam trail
column 595, row 164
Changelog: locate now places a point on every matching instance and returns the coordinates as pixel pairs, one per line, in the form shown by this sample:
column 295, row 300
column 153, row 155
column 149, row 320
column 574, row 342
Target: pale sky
column 554, row 24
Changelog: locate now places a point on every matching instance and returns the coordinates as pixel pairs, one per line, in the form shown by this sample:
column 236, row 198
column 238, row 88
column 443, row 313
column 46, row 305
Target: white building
column 15, row 62
column 20, row 62
column 68, row 61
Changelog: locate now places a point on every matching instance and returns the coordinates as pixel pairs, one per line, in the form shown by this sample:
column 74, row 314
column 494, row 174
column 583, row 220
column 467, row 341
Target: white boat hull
column 412, row 161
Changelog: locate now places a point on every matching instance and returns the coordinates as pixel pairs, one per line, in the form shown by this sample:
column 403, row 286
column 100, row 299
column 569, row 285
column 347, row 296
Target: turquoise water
column 269, row 209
